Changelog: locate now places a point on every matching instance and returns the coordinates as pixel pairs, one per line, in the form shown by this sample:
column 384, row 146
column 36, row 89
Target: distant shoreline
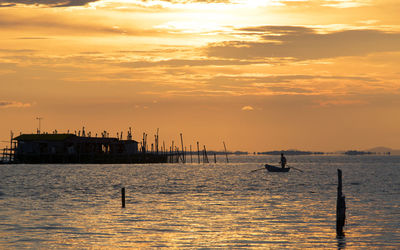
column 300, row 152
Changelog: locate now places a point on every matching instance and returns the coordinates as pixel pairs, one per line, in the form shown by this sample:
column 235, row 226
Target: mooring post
column 340, row 207
column 205, row 157
column 226, row 153
column 198, row 152
column 123, row 197
column 191, row 159
column 215, row 158
column 183, row 150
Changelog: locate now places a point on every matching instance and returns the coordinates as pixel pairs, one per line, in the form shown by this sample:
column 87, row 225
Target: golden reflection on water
column 192, row 220
column 192, row 207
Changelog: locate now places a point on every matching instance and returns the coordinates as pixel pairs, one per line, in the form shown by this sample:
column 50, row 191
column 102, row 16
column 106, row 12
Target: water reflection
column 196, row 206
column 341, row 242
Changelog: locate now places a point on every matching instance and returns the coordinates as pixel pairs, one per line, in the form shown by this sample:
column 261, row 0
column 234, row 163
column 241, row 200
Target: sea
column 202, row 206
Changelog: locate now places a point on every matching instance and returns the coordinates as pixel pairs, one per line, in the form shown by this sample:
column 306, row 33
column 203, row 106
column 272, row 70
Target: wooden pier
column 83, row 148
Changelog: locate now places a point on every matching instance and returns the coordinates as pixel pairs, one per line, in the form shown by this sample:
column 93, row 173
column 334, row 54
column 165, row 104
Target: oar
column 257, row 170
column 296, row 169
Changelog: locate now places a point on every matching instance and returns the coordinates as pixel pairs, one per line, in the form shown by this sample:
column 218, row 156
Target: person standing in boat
column 283, row 161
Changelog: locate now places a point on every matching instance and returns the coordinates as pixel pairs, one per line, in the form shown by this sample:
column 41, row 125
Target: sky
column 259, row 75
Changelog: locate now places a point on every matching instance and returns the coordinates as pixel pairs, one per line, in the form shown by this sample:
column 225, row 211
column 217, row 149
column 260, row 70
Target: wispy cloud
column 331, row 103
column 6, row 5
column 345, row 3
column 179, row 3
column 187, row 62
column 303, row 43
column 14, row 104
column 247, row 108
column 50, row 3
column 55, row 25
column 33, row 38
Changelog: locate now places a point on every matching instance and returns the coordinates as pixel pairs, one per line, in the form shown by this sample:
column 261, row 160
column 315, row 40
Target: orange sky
column 259, row 75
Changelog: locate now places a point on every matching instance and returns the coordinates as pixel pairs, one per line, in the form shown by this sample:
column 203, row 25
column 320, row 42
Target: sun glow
column 196, row 55
column 185, row 5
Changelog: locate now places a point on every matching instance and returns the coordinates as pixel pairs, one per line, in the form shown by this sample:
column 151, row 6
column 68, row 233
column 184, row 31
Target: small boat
column 271, row 168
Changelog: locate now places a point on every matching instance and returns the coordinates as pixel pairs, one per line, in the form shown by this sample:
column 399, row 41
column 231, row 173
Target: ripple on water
column 199, row 206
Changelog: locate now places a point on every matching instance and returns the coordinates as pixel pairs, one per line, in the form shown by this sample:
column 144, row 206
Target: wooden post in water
column 191, row 159
column 340, row 207
column 198, row 152
column 205, row 160
column 156, row 141
column 123, row 197
column 143, row 143
column 146, row 142
column 170, row 155
column 226, row 153
column 215, row 158
column 11, row 146
column 164, row 150
column 183, row 150
column 178, row 153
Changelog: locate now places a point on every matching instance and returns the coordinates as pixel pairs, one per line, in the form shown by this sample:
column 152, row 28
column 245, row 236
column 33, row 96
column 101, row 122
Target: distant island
column 355, row 152
column 372, row 151
column 222, row 152
column 290, row 152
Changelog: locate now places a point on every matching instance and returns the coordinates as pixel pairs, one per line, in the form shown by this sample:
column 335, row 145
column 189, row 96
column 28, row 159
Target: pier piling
column 205, row 157
column 198, row 152
column 191, row 159
column 226, row 153
column 340, row 207
column 123, row 197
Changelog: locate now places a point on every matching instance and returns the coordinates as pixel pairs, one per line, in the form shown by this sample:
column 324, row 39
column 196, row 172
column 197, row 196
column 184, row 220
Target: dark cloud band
column 69, row 3
column 303, row 43
column 51, row 3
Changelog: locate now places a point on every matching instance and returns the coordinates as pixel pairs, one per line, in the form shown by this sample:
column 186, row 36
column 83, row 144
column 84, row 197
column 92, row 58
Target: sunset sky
column 257, row 74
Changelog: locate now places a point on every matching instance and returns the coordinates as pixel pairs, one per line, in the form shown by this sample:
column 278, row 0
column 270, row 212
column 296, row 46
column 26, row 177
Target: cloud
column 186, row 62
column 50, row 3
column 48, row 23
column 346, row 3
column 14, row 104
column 5, row 5
column 332, row 103
column 168, row 3
column 303, row 43
column 33, row 38
column 247, row 108
column 71, row 3
column 17, row 51
column 286, row 78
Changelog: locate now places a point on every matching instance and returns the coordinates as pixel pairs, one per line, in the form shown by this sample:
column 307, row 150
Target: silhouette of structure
column 82, row 148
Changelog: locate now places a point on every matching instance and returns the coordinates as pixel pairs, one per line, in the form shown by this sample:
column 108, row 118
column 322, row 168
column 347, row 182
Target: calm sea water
column 201, row 206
